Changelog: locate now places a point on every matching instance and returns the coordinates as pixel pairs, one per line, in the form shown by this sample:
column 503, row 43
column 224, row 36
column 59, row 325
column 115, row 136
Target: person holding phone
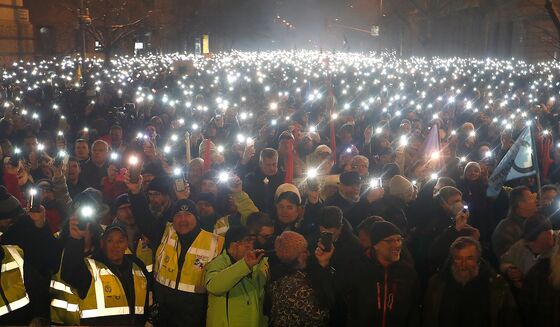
column 334, row 231
column 235, row 281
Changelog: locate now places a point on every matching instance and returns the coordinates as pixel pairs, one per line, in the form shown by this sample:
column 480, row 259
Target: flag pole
column 535, row 158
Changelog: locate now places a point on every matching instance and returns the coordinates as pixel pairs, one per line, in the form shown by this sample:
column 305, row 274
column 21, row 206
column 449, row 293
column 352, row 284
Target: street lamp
column 84, row 21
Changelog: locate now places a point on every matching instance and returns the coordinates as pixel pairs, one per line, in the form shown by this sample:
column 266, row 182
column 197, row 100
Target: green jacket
column 235, row 293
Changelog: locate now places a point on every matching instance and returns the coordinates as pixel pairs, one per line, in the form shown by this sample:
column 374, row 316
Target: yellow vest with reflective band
column 106, row 296
column 144, row 253
column 12, row 284
column 205, row 247
column 65, row 308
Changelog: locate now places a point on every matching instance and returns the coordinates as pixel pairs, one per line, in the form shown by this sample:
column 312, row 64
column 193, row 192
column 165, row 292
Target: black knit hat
column 184, row 205
column 350, row 178
column 160, row 184
column 534, row 226
column 9, row 205
column 120, row 200
column 381, row 230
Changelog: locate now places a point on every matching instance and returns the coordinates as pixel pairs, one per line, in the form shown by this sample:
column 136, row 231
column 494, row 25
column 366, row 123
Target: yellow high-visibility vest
column 65, row 308
column 144, row 253
column 12, row 280
column 106, row 296
column 205, row 247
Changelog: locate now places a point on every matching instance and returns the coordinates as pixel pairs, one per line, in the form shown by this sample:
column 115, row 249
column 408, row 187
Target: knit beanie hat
column 120, row 200
column 9, row 205
column 184, row 205
column 207, row 197
column 381, row 230
column 286, row 187
column 533, row 226
column 400, row 186
column 289, row 245
column 160, row 184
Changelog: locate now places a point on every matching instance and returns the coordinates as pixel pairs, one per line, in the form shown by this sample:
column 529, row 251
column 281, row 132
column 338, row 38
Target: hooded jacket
column 235, row 292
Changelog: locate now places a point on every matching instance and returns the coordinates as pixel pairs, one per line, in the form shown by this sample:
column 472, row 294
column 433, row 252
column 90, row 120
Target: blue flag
column 518, row 162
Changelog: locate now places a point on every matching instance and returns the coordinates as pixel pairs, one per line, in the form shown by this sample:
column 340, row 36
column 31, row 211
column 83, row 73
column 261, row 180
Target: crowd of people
column 294, row 188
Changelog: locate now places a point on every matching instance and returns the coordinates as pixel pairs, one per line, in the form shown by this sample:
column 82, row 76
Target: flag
column 519, row 162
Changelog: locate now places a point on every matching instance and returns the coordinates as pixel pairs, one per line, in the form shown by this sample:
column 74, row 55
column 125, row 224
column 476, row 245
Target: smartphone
column 34, row 201
column 134, row 174
column 85, row 215
column 465, row 209
column 326, row 239
column 179, row 184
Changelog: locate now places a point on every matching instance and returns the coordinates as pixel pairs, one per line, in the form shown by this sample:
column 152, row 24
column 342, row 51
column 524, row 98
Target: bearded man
column 467, row 292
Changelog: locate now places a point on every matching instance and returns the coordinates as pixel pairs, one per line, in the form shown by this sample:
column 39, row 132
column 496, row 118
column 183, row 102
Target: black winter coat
column 380, row 296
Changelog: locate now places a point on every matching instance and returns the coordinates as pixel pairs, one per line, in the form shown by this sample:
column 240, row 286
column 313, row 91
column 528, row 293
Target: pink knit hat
column 289, row 245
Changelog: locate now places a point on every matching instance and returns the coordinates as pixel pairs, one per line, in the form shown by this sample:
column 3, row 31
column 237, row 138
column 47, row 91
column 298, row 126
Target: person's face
column 114, row 246
column 269, row 166
column 528, row 203
column 329, row 190
column 452, row 202
column 238, row 250
column 365, row 240
column 151, row 131
column 124, row 213
column 350, row 191
column 209, row 186
column 46, row 194
column 149, row 149
column 346, row 137
column 195, row 172
column 361, row 167
column 204, row 208
column 22, row 175
column 99, row 153
column 184, row 222
column 465, row 264
column 81, row 150
column 548, row 197
column 388, row 250
column 116, row 135
column 30, row 144
column 472, row 173
column 265, row 236
column 287, row 212
column 157, row 199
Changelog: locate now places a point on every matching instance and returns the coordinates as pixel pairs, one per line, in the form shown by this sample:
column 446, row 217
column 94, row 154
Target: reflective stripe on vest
column 101, row 308
column 61, row 287
column 17, row 263
column 61, row 304
column 204, row 248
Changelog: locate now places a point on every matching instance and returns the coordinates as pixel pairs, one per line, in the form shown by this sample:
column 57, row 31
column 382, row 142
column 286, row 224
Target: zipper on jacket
column 384, row 300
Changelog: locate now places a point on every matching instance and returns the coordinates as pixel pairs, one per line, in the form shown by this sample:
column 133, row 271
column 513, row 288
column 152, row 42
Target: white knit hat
column 286, row 187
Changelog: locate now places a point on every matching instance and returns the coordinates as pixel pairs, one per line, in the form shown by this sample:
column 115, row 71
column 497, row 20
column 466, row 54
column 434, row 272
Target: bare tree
column 112, row 21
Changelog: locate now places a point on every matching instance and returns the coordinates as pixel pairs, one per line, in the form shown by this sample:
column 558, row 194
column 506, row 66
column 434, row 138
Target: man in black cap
column 354, row 207
column 159, row 198
column 121, row 279
column 183, row 250
column 206, row 206
column 384, row 290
